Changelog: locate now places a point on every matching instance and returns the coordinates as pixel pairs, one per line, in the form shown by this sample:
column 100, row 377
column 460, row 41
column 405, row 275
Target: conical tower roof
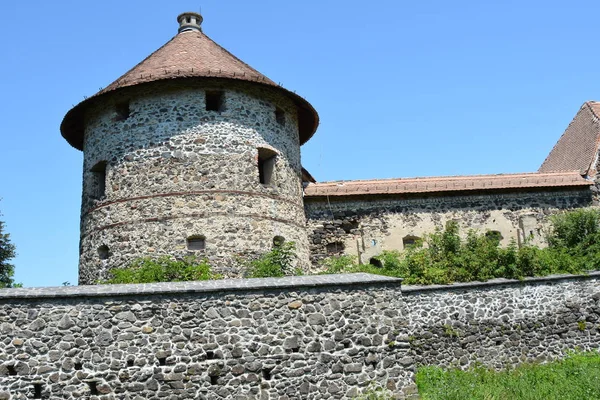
column 189, row 55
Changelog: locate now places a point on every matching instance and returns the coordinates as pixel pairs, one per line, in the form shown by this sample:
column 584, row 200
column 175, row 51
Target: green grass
column 575, row 378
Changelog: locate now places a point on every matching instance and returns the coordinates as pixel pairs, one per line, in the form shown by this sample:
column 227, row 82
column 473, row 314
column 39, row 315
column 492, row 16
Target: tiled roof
column 577, row 148
column 446, row 184
column 189, row 55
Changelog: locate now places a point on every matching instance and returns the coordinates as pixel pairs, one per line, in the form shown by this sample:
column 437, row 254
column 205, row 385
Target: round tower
column 191, row 152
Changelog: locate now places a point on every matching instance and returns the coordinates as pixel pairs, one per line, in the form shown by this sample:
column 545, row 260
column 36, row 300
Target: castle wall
column 175, row 170
column 304, row 337
column 502, row 323
column 311, row 337
column 367, row 226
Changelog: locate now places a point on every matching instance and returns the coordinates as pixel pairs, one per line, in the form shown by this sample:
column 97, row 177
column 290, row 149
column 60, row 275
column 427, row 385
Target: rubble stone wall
column 502, row 323
column 304, row 337
column 310, row 337
column 174, row 170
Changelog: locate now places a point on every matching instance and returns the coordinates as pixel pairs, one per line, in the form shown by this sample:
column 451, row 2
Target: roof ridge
column 456, row 177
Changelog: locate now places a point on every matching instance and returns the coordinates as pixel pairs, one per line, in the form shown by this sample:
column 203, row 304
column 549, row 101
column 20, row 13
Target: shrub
column 163, row 269
column 339, row 264
column 276, row 263
column 444, row 257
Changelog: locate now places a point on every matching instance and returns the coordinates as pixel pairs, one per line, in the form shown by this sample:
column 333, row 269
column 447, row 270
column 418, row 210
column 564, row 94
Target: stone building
column 194, row 152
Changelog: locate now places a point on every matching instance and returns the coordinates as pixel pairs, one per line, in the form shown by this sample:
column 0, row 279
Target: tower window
column 409, row 241
column 103, row 252
column 214, row 101
column 196, row 243
column 280, row 116
column 122, row 111
column 266, row 165
column 99, row 180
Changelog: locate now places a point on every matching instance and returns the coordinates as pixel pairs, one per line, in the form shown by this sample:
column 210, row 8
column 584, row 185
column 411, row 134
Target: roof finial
column 189, row 21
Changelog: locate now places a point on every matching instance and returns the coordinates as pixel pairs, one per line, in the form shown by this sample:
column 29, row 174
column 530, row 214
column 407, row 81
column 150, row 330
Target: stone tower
column 190, row 152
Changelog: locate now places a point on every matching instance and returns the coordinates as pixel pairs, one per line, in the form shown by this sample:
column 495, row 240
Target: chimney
column 189, row 21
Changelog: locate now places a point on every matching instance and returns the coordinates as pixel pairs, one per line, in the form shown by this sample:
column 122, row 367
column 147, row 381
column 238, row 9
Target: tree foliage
column 444, row 256
column 7, row 252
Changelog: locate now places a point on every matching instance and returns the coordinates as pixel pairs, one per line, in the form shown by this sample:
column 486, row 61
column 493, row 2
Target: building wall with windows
column 364, row 226
column 211, row 170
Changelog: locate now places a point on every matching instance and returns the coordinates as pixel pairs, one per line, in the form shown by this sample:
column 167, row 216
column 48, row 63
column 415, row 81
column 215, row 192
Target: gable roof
column 189, row 55
column 577, row 148
column 446, row 184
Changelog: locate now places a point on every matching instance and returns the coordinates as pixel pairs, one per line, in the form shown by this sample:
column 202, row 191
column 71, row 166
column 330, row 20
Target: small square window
column 214, row 101
column 196, row 243
column 280, row 116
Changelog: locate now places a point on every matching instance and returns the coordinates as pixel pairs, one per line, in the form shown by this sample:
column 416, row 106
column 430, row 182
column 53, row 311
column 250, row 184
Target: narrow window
column 214, row 101
column 280, row 116
column 196, row 243
column 99, row 180
column 37, row 390
column 266, row 165
column 278, row 241
column 335, row 247
column 409, row 241
column 103, row 252
column 266, row 373
column 162, row 361
column 122, row 111
column 11, row 370
column 93, row 387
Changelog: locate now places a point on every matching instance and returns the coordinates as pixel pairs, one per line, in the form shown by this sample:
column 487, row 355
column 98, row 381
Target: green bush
column 575, row 378
column 163, row 269
column 276, row 263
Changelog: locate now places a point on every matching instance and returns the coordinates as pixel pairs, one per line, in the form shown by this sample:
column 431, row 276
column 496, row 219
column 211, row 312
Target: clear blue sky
column 403, row 89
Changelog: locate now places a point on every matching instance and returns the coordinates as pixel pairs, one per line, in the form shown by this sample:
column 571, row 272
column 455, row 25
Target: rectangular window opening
column 266, row 165
column 214, row 101
column 93, row 387
column 99, row 180
column 280, row 116
column 196, row 243
column 37, row 390
column 122, row 110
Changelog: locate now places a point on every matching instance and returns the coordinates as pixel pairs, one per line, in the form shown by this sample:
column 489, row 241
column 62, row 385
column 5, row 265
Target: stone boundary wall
column 502, row 322
column 311, row 337
column 308, row 337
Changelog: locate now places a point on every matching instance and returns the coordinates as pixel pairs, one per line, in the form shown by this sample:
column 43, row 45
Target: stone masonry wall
column 367, row 226
column 176, row 170
column 310, row 337
column 502, row 323
column 293, row 338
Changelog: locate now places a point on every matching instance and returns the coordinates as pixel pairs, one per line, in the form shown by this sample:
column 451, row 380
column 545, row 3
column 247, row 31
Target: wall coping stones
column 417, row 289
column 228, row 285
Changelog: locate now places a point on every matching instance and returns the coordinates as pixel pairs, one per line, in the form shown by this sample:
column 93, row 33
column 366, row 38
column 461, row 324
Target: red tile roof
column 577, row 148
column 446, row 184
column 189, row 55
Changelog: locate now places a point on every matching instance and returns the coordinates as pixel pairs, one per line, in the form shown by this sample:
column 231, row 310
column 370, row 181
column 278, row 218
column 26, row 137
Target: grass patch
column 575, row 378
